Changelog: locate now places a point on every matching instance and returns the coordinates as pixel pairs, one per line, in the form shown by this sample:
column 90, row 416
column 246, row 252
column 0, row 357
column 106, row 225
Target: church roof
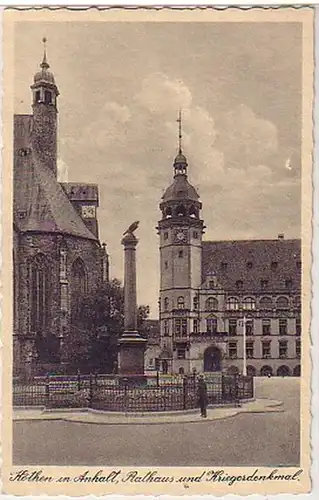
column 180, row 189
column 251, row 261
column 40, row 202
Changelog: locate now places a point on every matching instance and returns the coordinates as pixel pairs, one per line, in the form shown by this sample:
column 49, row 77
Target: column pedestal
column 131, row 344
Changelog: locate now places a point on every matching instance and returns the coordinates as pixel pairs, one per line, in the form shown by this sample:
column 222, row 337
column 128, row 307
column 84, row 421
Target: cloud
column 128, row 149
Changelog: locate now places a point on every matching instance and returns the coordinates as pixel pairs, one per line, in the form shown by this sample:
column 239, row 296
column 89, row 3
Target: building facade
column 230, row 306
column 57, row 256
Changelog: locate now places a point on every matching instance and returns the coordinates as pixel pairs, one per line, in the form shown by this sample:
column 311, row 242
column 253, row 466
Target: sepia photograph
column 159, row 210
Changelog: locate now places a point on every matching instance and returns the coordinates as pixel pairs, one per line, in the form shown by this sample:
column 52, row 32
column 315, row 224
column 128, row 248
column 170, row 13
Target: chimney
column 281, row 236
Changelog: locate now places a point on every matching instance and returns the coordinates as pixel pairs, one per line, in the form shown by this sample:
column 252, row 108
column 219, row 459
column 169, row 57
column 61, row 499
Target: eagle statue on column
column 132, row 228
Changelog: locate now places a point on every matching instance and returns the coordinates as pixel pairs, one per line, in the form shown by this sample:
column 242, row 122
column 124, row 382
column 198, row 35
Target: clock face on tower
column 180, row 236
column 88, row 211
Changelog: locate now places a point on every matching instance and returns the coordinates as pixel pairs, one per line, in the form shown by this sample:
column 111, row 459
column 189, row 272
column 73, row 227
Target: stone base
column 131, row 354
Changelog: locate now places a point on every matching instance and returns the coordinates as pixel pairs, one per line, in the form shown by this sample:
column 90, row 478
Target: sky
column 121, row 87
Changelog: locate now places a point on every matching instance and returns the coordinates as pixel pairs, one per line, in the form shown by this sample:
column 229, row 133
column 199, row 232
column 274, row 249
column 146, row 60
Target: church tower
column 44, row 104
column 180, row 230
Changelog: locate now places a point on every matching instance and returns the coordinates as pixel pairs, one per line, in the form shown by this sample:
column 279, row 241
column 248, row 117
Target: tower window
column 166, row 264
column 211, row 325
column 274, row 266
column 166, row 328
column 180, row 303
column 195, row 303
column 180, row 254
column 166, row 304
column 47, row 97
column 195, row 235
column 195, row 326
column 181, row 211
column 38, row 96
column 288, row 284
column 224, row 266
column 249, row 265
column 166, row 235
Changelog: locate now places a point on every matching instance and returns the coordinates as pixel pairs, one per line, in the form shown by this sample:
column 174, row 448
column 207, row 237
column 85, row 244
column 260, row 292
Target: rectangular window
column 298, row 327
column 249, row 350
column 211, row 285
column 283, row 349
column 166, row 264
column 195, row 326
column 266, row 352
column 283, row 329
column 166, row 328
column 211, row 325
column 195, row 234
column 180, row 327
column 232, row 350
column 249, row 327
column 180, row 254
column 181, row 354
column 224, row 266
column 233, row 327
column 195, row 303
column 266, row 329
column 298, row 349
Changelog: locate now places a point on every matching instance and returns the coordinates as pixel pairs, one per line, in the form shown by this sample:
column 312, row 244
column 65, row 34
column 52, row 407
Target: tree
column 99, row 325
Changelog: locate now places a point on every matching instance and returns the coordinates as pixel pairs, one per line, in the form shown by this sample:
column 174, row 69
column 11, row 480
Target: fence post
column 47, row 390
column 91, row 390
column 185, row 393
column 79, row 380
column 157, row 378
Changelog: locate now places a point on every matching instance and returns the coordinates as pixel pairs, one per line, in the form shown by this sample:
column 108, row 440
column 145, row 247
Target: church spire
column 180, row 162
column 44, row 65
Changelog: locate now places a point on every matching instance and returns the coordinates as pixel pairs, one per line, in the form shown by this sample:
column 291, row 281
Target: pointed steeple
column 44, row 65
column 180, row 162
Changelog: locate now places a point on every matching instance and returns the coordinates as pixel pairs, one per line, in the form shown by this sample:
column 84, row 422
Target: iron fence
column 144, row 393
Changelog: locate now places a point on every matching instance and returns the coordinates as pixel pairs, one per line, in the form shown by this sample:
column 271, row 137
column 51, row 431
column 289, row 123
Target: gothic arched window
column 211, row 304
column 232, row 304
column 249, row 304
column 39, row 294
column 180, row 303
column 79, row 286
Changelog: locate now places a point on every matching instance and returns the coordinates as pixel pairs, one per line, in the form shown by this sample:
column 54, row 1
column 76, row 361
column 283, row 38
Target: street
column 269, row 439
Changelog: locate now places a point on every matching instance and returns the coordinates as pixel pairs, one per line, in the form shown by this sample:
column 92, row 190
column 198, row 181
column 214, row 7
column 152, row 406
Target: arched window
column 180, row 303
column 166, row 302
column 180, row 211
column 266, row 303
column 168, row 213
column 193, row 212
column 232, row 304
column 39, row 294
column 211, row 304
column 79, row 287
column 249, row 304
column 282, row 303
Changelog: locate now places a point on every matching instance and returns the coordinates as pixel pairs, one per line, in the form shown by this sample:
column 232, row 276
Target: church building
column 231, row 306
column 57, row 255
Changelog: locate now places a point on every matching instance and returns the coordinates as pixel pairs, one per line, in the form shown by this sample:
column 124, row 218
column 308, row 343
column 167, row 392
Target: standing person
column 202, row 396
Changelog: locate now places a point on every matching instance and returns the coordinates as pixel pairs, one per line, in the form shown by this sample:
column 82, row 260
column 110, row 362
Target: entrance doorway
column 212, row 359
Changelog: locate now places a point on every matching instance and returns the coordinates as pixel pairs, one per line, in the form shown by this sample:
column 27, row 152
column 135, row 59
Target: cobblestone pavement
column 249, row 438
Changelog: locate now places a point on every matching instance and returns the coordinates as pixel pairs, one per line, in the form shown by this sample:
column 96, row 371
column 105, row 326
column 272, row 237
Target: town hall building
column 231, row 306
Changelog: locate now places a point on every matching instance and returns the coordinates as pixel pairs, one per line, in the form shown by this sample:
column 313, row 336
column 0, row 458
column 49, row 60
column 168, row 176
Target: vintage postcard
column 157, row 201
